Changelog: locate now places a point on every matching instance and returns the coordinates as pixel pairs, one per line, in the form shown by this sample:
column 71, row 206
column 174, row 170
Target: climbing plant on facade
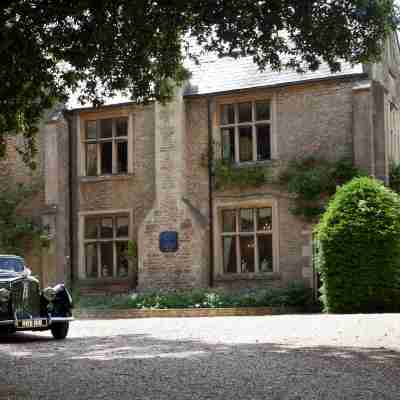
column 16, row 229
column 312, row 181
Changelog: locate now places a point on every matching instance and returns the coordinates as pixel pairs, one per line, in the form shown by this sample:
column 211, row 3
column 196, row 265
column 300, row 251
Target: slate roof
column 215, row 75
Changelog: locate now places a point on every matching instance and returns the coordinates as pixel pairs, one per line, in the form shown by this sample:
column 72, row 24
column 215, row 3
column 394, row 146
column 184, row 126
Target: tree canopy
column 50, row 47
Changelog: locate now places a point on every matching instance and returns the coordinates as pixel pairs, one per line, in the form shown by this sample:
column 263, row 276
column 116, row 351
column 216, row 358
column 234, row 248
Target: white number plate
column 31, row 323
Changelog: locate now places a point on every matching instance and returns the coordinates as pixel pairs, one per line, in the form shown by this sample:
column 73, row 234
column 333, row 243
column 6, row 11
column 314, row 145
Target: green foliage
column 358, row 249
column 17, row 229
column 296, row 295
column 51, row 48
column 394, row 178
column 228, row 175
column 313, row 181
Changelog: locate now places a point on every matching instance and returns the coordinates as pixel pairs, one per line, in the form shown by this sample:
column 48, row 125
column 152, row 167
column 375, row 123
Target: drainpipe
column 70, row 121
column 210, row 183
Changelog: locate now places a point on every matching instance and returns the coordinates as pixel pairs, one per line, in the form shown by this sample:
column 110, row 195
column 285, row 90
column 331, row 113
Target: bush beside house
column 358, row 249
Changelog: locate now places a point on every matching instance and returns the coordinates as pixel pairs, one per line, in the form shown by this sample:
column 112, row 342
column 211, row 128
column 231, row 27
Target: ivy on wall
column 16, row 229
column 314, row 181
column 228, row 175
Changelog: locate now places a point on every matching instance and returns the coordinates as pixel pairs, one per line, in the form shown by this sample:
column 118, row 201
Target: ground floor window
column 106, row 244
column 247, row 240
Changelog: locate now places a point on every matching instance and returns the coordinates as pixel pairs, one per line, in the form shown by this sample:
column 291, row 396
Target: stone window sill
column 101, row 178
column 248, row 276
column 248, row 164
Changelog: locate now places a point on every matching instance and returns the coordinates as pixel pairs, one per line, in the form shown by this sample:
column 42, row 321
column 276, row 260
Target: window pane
column 91, row 226
column 91, row 159
column 247, row 253
column 106, row 228
column 122, row 160
column 265, row 252
column 122, row 260
column 122, row 226
column 264, row 219
column 229, row 256
column 246, row 220
column 245, row 112
column 107, row 259
column 229, row 221
column 121, row 127
column 227, row 114
column 106, row 158
column 91, row 261
column 245, row 143
column 91, row 130
column 106, row 128
column 263, row 142
column 228, row 144
column 262, row 111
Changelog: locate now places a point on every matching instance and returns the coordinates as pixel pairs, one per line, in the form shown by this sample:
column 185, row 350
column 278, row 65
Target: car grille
column 25, row 299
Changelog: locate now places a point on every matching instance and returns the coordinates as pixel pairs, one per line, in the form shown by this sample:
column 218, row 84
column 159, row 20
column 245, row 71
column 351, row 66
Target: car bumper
column 37, row 323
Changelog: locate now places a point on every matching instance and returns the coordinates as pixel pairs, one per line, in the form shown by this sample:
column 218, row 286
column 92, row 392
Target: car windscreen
column 11, row 264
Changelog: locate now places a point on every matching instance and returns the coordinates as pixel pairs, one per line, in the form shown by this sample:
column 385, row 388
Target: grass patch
column 294, row 295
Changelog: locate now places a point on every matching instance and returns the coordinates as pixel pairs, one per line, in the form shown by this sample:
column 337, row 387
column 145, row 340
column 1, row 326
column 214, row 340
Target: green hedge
column 358, row 249
column 295, row 295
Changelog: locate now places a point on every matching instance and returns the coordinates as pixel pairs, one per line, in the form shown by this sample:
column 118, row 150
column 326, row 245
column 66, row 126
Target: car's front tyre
column 59, row 330
column 7, row 330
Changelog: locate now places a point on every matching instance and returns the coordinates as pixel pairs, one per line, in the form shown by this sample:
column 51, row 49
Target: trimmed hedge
column 358, row 249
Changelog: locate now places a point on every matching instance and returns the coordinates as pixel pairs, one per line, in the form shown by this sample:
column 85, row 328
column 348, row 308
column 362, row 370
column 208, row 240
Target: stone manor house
column 138, row 173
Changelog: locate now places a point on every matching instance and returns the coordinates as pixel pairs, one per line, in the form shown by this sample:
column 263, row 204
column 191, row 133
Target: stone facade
column 167, row 185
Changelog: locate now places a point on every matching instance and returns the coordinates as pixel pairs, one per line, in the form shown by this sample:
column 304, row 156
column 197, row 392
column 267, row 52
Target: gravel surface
column 273, row 357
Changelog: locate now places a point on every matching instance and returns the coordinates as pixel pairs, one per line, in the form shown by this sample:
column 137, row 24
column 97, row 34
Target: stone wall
column 133, row 192
column 181, row 201
column 310, row 120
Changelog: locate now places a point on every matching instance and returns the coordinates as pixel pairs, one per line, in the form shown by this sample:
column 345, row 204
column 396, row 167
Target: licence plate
column 31, row 323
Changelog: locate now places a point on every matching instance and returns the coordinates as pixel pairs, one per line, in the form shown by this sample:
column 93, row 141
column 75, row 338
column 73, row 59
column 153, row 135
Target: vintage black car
column 23, row 306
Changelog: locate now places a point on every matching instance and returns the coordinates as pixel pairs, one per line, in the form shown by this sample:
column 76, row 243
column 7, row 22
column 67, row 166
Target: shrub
column 295, row 295
column 358, row 249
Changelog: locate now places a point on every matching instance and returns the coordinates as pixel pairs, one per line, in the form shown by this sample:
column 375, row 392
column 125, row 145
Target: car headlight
column 4, row 295
column 49, row 294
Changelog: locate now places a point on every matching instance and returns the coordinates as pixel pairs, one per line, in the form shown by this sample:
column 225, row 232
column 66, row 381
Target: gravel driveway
column 272, row 357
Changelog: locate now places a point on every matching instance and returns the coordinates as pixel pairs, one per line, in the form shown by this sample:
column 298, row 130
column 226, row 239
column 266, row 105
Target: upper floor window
column 246, row 131
column 106, row 146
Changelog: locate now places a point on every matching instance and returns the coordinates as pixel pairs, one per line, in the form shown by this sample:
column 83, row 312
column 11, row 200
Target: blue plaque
column 169, row 241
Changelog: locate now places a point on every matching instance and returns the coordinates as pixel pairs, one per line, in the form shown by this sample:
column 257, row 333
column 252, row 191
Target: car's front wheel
column 7, row 330
column 59, row 330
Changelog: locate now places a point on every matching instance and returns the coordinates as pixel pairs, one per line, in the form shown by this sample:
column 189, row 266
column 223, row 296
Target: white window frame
column 83, row 242
column 253, row 123
column 82, row 142
column 219, row 207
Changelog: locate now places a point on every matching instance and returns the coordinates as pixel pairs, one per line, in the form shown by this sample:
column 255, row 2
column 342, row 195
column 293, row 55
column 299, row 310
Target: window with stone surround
column 106, row 146
column 106, row 243
column 247, row 240
column 245, row 129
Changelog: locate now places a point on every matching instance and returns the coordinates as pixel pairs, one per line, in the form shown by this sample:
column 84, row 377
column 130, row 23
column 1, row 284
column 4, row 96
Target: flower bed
column 196, row 302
